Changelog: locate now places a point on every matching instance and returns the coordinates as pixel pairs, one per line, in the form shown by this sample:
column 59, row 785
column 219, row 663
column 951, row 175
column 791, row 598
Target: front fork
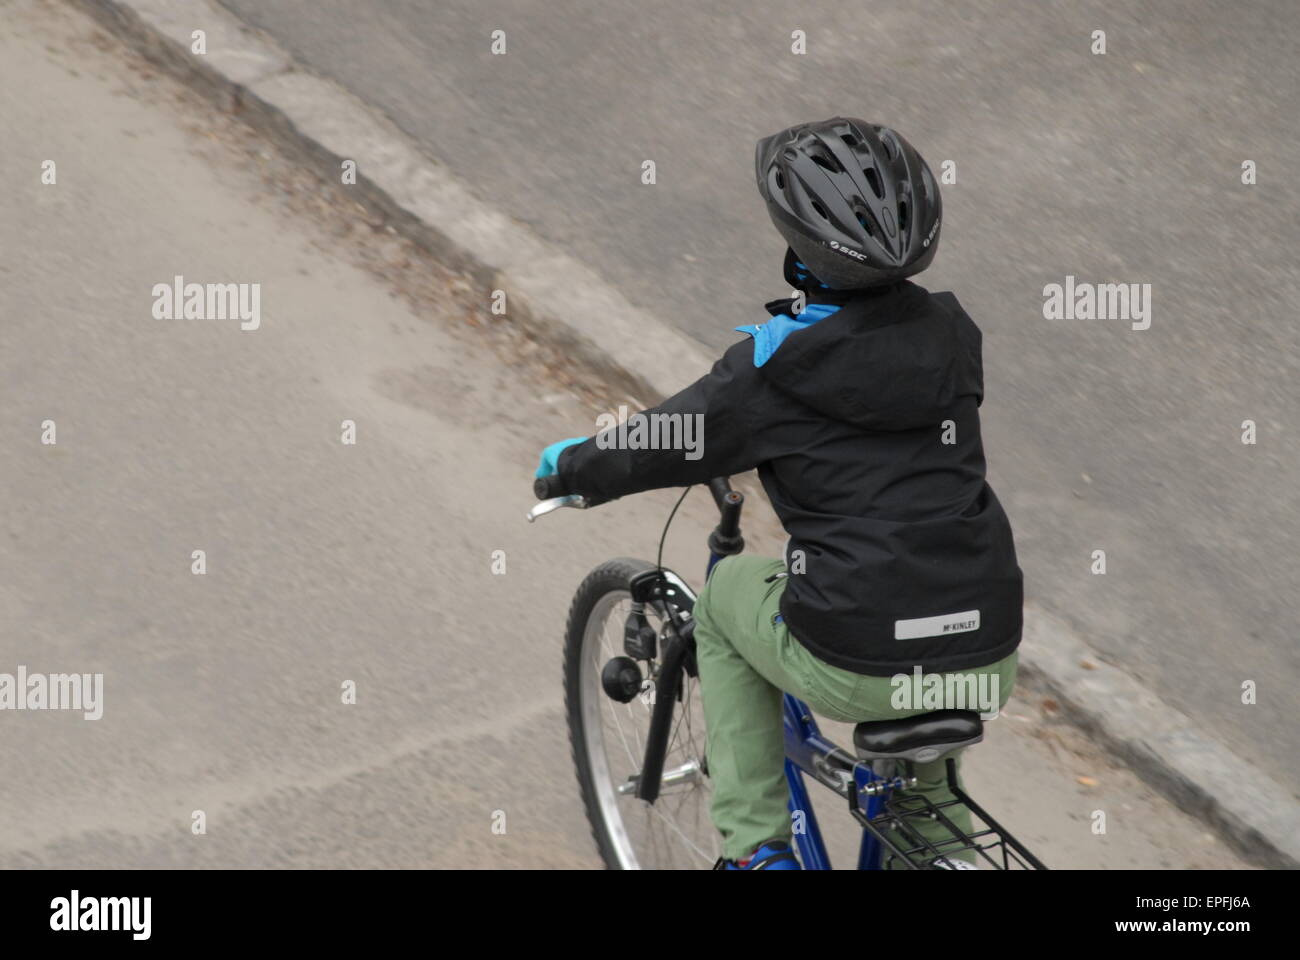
column 676, row 654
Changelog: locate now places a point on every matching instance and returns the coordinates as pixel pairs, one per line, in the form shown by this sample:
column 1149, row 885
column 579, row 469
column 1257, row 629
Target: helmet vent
column 820, row 210
column 780, row 181
column 849, row 139
column 902, row 216
column 873, row 179
column 827, row 163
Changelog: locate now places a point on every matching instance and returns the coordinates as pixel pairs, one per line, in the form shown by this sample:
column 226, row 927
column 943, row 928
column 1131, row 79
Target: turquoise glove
column 551, row 456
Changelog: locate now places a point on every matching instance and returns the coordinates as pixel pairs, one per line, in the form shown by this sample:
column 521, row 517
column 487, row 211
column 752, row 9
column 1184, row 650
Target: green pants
column 747, row 659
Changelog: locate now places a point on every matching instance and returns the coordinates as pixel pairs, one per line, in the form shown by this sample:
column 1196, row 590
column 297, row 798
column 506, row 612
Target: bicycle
column 647, row 797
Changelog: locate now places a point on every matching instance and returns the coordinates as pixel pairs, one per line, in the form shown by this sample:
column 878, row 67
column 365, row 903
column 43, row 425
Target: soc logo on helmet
column 835, row 245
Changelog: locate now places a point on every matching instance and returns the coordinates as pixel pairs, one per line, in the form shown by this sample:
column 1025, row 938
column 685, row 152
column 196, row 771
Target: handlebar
column 553, row 494
column 723, row 541
column 548, row 488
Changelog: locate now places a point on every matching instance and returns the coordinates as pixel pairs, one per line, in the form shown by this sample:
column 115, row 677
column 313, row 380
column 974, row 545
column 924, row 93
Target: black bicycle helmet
column 854, row 200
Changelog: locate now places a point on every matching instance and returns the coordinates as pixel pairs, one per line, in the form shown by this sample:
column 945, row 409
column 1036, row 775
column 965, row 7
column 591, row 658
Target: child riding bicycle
column 858, row 403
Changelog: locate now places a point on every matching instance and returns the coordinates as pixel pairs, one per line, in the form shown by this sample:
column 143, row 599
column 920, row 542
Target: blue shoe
column 773, row 855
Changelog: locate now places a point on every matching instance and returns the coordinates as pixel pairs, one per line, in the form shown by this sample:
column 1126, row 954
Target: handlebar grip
column 547, row 488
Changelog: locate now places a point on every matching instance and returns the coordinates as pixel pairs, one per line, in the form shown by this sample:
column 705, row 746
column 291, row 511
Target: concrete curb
column 322, row 125
column 567, row 303
column 1252, row 812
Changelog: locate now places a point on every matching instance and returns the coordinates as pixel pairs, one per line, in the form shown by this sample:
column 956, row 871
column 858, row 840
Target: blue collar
column 769, row 336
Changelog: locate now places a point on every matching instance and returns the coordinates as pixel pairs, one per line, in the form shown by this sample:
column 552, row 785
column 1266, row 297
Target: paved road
column 325, row 563
column 1116, row 168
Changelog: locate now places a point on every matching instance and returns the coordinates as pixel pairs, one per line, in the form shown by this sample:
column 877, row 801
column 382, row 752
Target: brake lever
column 555, row 503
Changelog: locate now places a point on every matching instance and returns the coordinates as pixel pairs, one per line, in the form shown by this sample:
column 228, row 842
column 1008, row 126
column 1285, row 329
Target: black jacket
column 847, row 425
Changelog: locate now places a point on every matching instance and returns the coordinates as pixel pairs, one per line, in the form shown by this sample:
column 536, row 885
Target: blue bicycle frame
column 807, row 751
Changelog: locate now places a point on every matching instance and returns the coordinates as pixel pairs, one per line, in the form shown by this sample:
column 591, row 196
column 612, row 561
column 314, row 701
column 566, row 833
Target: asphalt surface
column 1123, row 167
column 327, row 563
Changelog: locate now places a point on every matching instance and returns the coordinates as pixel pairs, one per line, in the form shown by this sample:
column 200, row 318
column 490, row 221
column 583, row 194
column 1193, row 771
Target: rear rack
column 904, row 848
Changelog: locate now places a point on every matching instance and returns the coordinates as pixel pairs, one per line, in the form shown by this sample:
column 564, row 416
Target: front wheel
column 608, row 738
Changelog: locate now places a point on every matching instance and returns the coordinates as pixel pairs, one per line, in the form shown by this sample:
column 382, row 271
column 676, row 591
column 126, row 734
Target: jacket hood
column 892, row 358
